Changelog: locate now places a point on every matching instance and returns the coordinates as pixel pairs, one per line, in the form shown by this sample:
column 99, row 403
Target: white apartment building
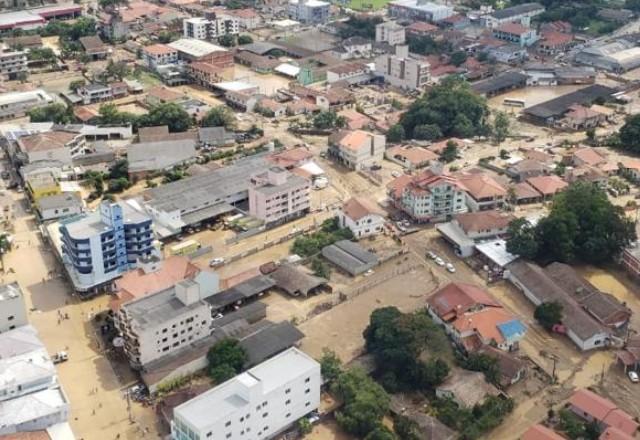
column 13, row 312
column 400, row 70
column 159, row 324
column 420, row 10
column 522, row 14
column 309, row 11
column 159, row 55
column 257, row 404
column 202, row 28
column 17, row 104
column 390, row 32
column 362, row 217
column 277, row 196
column 357, row 149
column 12, row 64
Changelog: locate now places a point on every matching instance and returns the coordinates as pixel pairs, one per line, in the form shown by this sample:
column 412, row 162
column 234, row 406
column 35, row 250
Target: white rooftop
column 311, row 3
column 288, row 69
column 195, row 48
column 312, row 168
column 285, row 23
column 234, row 86
column 496, row 251
column 32, row 406
column 424, row 6
column 19, row 341
column 17, row 97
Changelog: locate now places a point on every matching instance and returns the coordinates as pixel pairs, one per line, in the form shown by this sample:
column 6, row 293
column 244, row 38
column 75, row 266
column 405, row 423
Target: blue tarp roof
column 511, row 328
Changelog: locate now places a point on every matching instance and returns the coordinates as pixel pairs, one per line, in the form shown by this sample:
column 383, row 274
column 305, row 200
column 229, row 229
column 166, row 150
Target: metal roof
column 558, row 106
column 350, row 256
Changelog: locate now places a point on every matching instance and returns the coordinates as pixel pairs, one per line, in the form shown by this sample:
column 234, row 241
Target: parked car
column 369, row 273
column 633, row 376
column 216, row 262
column 439, row 261
column 60, row 357
column 450, row 268
column 431, row 255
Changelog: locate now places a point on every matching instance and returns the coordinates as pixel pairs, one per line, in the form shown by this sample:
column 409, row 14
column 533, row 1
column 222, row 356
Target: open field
column 367, row 5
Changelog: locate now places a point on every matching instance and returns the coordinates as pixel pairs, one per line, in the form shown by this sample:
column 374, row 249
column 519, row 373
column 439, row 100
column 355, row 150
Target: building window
column 307, row 380
column 265, row 415
column 307, row 404
column 307, row 391
column 10, row 318
column 287, row 391
column 288, row 415
column 228, row 423
column 287, row 402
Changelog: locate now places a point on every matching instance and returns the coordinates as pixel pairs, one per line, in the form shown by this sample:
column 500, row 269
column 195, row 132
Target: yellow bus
column 184, row 248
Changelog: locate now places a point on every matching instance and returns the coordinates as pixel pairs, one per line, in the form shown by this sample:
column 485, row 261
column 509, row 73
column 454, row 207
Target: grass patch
column 367, row 5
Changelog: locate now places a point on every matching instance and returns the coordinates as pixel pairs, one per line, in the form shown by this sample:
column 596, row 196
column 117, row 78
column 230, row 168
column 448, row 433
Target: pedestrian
column 93, row 413
column 58, row 321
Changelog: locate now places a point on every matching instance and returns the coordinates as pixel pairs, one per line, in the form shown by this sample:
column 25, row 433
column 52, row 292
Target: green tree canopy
column 406, row 429
column 220, row 116
column 458, row 58
column 522, row 238
column 170, row 114
column 359, row 26
column 328, row 119
column 427, row 132
column 451, row 106
column 395, row 133
column 548, row 314
column 381, row 433
column 629, row 134
column 227, row 40
column 56, row 113
column 449, row 153
column 330, row 365
column 224, row 357
column 245, row 39
column 500, row 126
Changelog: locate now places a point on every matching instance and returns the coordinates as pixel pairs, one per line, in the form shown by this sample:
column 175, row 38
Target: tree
column 486, row 364
column 245, row 39
column 43, row 54
column 304, row 426
column 227, row 40
column 104, row 4
column 118, row 185
column 458, row 58
column 226, row 357
column 500, row 127
column 360, row 26
column 330, row 365
column 451, row 106
column 522, row 239
column 56, row 113
column 170, row 114
column 449, row 153
column 427, row 132
column 328, row 119
column 117, row 70
column 96, row 180
column 320, row 268
column 5, row 246
column 119, row 169
column 381, row 433
column 395, row 133
column 75, row 85
column 406, row 429
column 591, row 134
column 110, row 115
column 571, row 425
column 548, row 314
column 629, row 134
column 220, row 116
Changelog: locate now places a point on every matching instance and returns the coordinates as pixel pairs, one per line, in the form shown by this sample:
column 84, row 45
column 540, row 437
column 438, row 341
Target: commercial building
column 350, row 257
column 465, row 230
column 159, row 55
column 277, row 195
column 515, row 33
column 420, row 10
column 259, row 403
column 522, row 14
column 362, row 217
column 357, row 149
column 483, row 192
column 148, row 157
column 59, row 206
column 390, row 32
column 13, row 311
column 618, row 56
column 309, row 11
column 32, row 19
column 30, row 396
column 13, row 64
column 211, row 28
column 401, row 70
column 17, row 104
column 161, row 323
column 428, row 196
column 58, row 145
column 191, row 49
column 99, row 246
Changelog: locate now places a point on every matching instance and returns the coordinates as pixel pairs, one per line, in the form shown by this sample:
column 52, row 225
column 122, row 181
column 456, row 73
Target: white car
column 450, row 268
column 60, row 357
column 439, row 261
column 431, row 255
column 633, row 376
column 395, row 173
column 216, row 262
column 369, row 273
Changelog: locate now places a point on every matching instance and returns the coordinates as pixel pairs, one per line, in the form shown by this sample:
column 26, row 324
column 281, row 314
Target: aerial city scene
column 320, row 219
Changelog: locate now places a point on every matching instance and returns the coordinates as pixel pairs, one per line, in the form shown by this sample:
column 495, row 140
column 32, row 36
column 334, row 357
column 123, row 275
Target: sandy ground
column 268, row 83
column 101, row 415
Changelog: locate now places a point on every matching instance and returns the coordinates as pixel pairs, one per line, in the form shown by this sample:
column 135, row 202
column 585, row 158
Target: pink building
column 277, row 196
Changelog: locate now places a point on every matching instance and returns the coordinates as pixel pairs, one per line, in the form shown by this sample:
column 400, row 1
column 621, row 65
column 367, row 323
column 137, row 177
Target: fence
column 200, row 252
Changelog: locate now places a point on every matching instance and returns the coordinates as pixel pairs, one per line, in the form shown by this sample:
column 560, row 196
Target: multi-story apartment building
column 390, row 32
column 247, row 18
column 277, row 196
column 522, row 14
column 193, row 49
column 516, row 33
column 428, row 196
column 309, row 11
column 257, row 404
column 13, row 63
column 13, row 313
column 210, row 28
column 159, row 55
column 357, row 149
column 57, row 145
column 17, row 104
column 98, row 247
column 161, row 323
column 401, row 70
column 420, row 10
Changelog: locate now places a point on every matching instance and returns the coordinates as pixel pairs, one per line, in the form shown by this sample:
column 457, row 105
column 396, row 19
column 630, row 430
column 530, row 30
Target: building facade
column 357, row 149
column 100, row 246
column 522, row 14
column 309, row 11
column 17, row 104
column 276, row 196
column 402, row 71
column 390, row 32
column 420, row 10
column 362, row 217
column 259, row 403
column 13, row 312
column 13, row 64
column 210, row 28
column 159, row 55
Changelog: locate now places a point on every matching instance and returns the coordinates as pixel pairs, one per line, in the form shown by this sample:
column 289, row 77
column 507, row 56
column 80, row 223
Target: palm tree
column 5, row 245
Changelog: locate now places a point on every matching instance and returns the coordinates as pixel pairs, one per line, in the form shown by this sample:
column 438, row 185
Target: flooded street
column 532, row 95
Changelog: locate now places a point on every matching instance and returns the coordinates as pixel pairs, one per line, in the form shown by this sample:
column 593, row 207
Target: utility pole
column 129, row 406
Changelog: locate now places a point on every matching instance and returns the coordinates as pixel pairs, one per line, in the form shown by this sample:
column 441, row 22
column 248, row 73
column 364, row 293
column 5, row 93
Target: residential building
column 522, row 14
column 362, row 217
column 6, row 209
column 411, row 157
column 13, row 311
column 516, row 33
column 349, row 72
column 357, row 149
column 483, row 192
column 259, row 403
column 148, row 157
column 161, row 323
column 292, row 158
column 59, row 206
column 56, row 145
column 541, row 432
column 526, row 168
column 507, row 53
column 474, row 319
column 277, row 196
column 94, row 92
column 309, row 11
column 98, row 247
column 93, row 47
column 18, row 104
column 419, row 10
column 554, row 43
column 421, row 29
column 248, row 18
column 401, row 70
column 30, row 396
column 580, row 117
column 13, row 64
column 466, row 388
column 159, row 55
column 510, row 368
column 591, row 407
column 390, row 32
column 465, row 230
column 548, row 186
column 428, row 196
column 270, row 108
column 211, row 28
column 40, row 184
column 205, row 74
column 191, row 49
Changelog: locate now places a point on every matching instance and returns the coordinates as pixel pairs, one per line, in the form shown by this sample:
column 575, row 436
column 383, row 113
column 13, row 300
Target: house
column 541, row 432
column 94, row 92
column 586, row 156
column 467, row 229
column 162, row 95
column 577, row 323
column 148, row 157
column 356, row 120
column 59, row 206
column 515, row 33
column 277, row 196
column 291, row 158
column 547, row 186
column 428, row 426
column 507, row 53
column 411, row 157
column 362, row 217
column 93, row 47
column 579, row 117
column 276, row 393
column 271, row 108
column 554, row 43
column 159, row 55
column 350, row 257
column 356, row 149
column 56, row 145
column 523, row 194
column 482, row 191
column 510, row 368
column 466, row 388
column 591, row 407
column 629, row 356
column 527, row 168
column 428, row 196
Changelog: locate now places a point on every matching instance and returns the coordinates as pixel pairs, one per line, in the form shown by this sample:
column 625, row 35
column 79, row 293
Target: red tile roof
column 539, row 432
column 554, row 38
column 484, row 323
column 158, row 49
column 614, row 434
column 603, row 410
column 513, row 28
column 357, row 207
column 482, row 186
column 455, row 299
column 547, row 185
column 421, row 27
column 483, row 220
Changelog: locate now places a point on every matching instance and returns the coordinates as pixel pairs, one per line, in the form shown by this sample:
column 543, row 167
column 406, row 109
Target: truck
column 184, row 248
